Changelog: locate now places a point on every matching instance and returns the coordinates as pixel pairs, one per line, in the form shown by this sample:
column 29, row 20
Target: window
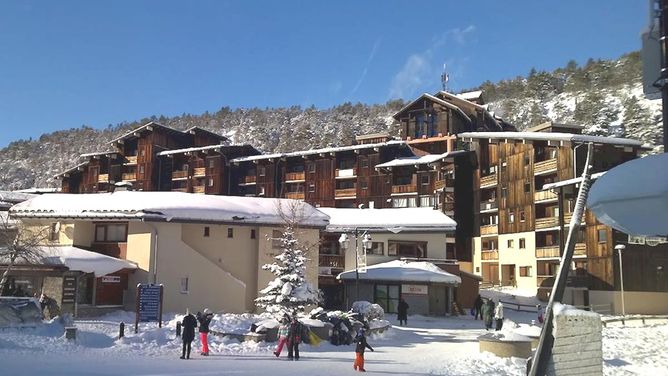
column 523, row 243
column 399, row 203
column 525, row 271
column 523, row 216
column 504, row 192
column 111, row 232
column 363, row 184
column 141, row 169
column 54, row 229
column 424, row 179
column 602, row 236
column 206, row 232
column 261, row 170
column 212, row 163
column 210, row 182
column 261, row 191
column 377, row 248
column 276, row 236
column 252, row 234
column 406, row 249
column 511, row 243
column 527, row 187
column 364, row 163
column 311, row 167
column 511, row 217
column 230, row 232
column 387, row 296
column 311, row 187
column 426, row 201
column 185, row 285
column 412, row 202
column 477, row 269
column 527, row 160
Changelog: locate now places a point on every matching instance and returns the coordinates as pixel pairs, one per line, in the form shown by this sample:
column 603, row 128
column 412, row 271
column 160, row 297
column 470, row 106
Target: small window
column 377, row 248
column 477, row 269
column 230, row 232
column 311, row 187
column 54, row 229
column 141, row 169
column 185, row 285
column 210, row 182
column 261, row 170
column 142, row 152
column 511, row 217
column 523, row 216
column 364, row 163
column 511, row 243
column 252, row 234
column 527, row 187
column 261, row 191
column 527, row 160
column 602, row 236
column 504, row 192
column 424, row 179
column 311, row 167
column 523, row 243
column 206, row 231
column 276, row 236
column 212, row 163
column 525, row 271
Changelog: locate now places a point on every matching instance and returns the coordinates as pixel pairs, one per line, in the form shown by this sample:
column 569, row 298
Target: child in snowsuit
column 204, row 321
column 189, row 324
column 360, row 339
column 283, row 331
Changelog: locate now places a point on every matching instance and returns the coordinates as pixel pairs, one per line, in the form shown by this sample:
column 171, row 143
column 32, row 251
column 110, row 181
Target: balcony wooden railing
column 346, row 173
column 404, row 188
column 295, row 195
column 439, row 184
column 179, row 174
column 449, row 206
column 131, row 159
column 489, row 230
column 103, row 178
column 489, row 255
column 580, row 249
column 179, row 189
column 488, row 205
column 199, row 189
column 545, row 166
column 547, row 222
column 292, row 176
column 549, row 251
column 488, row 181
column 129, row 176
column 544, row 196
column 345, row 192
column 332, row 261
column 199, row 172
column 568, row 216
column 250, row 179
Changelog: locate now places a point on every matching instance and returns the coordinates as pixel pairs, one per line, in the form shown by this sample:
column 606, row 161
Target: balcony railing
column 580, row 249
column 544, row 196
column 568, row 216
column 404, row 188
column 199, row 189
column 545, row 167
column 548, row 222
column 332, row 261
column 131, row 159
column 449, row 206
column 199, row 172
column 179, row 189
column 294, row 176
column 439, row 184
column 295, row 195
column 103, row 178
column 488, row 205
column 549, row 251
column 489, row 230
column 489, row 255
column 488, row 181
column 129, row 176
column 180, row 175
column 346, row 192
column 346, row 173
column 250, row 179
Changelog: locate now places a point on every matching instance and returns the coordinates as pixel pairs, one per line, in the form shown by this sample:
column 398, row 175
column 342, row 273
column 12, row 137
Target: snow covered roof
column 316, row 151
column 195, row 129
column 470, row 95
column 98, row 153
column 217, row 148
column 549, row 136
column 152, row 124
column 384, row 220
column 70, row 170
column 439, row 101
column 425, row 159
column 39, row 191
column 404, row 271
column 165, row 206
column 77, row 259
column 10, row 198
column 572, row 181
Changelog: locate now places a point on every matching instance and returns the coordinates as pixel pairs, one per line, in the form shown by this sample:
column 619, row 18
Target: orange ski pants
column 359, row 361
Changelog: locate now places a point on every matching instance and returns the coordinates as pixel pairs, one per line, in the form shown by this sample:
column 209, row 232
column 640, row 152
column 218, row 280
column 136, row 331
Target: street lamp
column 359, row 257
column 620, row 248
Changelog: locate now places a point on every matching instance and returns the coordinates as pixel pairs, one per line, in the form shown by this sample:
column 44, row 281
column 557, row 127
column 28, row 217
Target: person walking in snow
column 477, row 306
column 283, row 331
column 294, row 338
column 360, row 339
column 498, row 316
column 189, row 323
column 488, row 313
column 204, row 320
column 402, row 312
column 541, row 313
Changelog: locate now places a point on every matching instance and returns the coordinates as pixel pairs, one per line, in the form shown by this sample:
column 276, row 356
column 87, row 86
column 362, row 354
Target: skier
column 541, row 313
column 488, row 313
column 402, row 312
column 283, row 331
column 360, row 339
column 477, row 306
column 189, row 323
column 498, row 316
column 294, row 338
column 204, row 321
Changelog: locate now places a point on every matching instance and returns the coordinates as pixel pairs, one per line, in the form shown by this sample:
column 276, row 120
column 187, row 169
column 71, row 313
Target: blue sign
column 149, row 302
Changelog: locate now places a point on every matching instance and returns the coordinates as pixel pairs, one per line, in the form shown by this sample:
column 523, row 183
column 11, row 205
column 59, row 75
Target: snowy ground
column 427, row 346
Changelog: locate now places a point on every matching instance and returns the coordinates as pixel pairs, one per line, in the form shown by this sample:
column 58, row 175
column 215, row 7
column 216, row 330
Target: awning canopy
column 77, row 259
column 388, row 220
column 633, row 197
column 404, row 271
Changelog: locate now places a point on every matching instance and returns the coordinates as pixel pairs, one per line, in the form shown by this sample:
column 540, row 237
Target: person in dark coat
column 189, row 323
column 402, row 312
column 477, row 306
column 360, row 339
column 294, row 338
column 204, row 320
column 488, row 313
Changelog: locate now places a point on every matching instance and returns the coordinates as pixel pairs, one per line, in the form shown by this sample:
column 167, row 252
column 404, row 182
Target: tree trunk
column 5, row 274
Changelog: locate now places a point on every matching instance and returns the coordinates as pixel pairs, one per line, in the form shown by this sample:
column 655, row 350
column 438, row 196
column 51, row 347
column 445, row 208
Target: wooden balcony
column 129, row 176
column 545, row 167
column 250, row 179
column 295, row 195
column 580, row 249
column 179, row 175
column 294, row 176
column 404, row 188
column 568, row 216
column 131, row 159
column 548, row 222
column 544, row 196
column 332, row 261
column 346, row 192
column 346, row 173
column 199, row 189
column 488, row 205
column 492, row 254
column 103, row 178
column 489, row 230
column 547, row 252
column 199, row 172
column 180, row 190
column 488, row 181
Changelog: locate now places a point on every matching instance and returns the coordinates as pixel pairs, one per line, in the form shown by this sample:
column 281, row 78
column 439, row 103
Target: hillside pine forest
column 603, row 95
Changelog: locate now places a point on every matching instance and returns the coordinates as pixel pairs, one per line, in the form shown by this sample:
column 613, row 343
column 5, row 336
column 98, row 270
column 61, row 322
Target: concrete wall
column 84, row 233
column 635, row 302
column 578, row 348
column 477, row 261
column 519, row 257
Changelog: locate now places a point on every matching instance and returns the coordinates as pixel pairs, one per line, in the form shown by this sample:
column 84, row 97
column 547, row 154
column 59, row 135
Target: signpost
column 149, row 304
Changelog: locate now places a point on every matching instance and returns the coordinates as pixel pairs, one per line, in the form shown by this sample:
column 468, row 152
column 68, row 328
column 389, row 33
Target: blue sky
column 68, row 63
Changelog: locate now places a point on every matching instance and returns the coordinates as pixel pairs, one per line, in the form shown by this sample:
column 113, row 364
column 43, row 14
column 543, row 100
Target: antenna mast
column 445, row 77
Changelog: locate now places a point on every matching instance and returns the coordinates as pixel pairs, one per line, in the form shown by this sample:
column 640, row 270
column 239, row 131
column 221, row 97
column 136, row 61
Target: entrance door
column 387, row 296
column 508, row 275
column 438, row 300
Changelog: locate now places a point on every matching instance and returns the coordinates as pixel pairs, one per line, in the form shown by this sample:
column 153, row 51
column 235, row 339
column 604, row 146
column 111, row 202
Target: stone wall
column 577, row 346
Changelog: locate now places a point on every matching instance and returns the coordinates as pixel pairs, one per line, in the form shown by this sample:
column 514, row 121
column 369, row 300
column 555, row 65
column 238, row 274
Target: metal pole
column 621, row 280
column 663, row 29
column 357, row 270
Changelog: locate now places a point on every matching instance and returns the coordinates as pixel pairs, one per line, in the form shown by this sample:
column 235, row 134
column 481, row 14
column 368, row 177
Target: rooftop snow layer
column 316, row 151
column 383, row 220
column 551, row 136
column 404, row 271
column 165, row 206
column 425, row 159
